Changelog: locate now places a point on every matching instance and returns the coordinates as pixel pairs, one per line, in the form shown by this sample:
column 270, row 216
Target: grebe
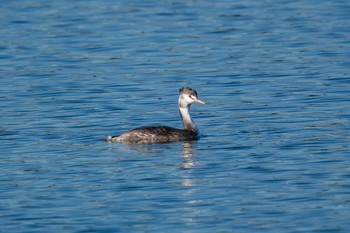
column 160, row 134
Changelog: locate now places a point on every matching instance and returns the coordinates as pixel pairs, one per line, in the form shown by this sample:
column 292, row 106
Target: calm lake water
column 274, row 152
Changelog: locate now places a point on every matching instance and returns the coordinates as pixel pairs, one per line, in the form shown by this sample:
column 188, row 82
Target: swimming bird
column 162, row 134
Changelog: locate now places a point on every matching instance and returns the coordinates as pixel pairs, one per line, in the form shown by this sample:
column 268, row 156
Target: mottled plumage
column 161, row 134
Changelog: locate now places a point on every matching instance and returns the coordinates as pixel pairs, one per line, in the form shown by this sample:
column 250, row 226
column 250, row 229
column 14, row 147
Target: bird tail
column 111, row 138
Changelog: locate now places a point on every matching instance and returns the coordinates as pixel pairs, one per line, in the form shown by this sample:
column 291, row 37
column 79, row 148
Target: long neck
column 186, row 118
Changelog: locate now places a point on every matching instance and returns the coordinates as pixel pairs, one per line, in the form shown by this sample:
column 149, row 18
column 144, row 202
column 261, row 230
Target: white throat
column 186, row 118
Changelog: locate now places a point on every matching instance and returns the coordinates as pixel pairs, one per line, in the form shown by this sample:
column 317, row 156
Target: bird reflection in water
column 187, row 155
column 188, row 163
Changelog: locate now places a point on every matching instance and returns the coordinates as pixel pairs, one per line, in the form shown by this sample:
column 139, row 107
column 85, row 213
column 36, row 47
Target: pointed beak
column 199, row 101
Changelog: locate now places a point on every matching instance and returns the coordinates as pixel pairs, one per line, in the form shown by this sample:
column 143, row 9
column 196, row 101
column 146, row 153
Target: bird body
column 162, row 134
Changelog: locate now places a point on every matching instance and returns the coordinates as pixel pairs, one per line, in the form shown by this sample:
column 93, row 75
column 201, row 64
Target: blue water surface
column 274, row 151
